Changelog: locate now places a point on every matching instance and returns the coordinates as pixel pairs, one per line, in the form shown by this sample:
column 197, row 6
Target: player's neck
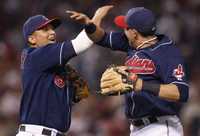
column 143, row 43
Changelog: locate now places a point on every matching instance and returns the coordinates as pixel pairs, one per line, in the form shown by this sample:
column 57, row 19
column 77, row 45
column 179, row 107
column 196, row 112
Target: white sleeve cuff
column 81, row 42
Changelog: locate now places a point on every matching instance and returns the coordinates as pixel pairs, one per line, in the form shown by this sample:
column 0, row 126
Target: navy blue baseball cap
column 37, row 22
column 139, row 18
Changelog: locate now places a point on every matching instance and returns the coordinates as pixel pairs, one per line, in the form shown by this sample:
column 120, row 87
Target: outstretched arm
column 118, row 80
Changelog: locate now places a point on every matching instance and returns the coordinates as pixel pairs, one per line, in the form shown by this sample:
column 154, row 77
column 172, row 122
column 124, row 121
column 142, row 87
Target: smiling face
column 43, row 36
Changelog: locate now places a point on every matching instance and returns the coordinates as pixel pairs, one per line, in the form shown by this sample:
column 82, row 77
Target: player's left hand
column 79, row 17
column 84, row 19
column 117, row 80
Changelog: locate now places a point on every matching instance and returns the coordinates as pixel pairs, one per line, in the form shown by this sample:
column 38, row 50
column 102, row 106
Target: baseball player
column 47, row 83
column 153, row 77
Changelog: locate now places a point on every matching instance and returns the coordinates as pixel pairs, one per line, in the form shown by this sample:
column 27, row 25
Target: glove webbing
column 127, row 77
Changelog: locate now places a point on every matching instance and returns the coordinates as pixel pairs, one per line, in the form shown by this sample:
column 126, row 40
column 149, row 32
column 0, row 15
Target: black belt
column 143, row 121
column 45, row 131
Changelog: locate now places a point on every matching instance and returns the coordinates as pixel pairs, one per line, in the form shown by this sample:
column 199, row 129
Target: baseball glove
column 117, row 80
column 80, row 85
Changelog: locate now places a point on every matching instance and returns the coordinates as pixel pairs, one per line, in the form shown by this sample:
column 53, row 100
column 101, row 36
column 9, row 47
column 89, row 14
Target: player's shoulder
column 28, row 50
column 33, row 50
column 164, row 42
column 165, row 46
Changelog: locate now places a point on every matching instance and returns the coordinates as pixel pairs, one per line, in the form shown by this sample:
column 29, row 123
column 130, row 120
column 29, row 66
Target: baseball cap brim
column 54, row 22
column 120, row 22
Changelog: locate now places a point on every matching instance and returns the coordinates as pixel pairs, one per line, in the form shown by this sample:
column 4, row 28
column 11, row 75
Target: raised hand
column 84, row 19
column 79, row 17
column 97, row 19
column 100, row 14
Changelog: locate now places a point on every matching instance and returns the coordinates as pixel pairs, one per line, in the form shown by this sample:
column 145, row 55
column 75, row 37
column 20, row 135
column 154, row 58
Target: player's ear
column 32, row 40
column 133, row 32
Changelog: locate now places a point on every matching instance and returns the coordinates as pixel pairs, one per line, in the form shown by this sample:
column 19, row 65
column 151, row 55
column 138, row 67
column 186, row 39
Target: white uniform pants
column 35, row 130
column 166, row 126
column 27, row 134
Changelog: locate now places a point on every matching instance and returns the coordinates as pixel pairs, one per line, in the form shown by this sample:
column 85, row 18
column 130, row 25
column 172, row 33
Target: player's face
column 43, row 36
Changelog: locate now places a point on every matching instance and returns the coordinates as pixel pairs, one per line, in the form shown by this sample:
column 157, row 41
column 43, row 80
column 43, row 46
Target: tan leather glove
column 117, row 80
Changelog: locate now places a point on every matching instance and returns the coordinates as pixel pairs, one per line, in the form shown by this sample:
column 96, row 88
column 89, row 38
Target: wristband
column 90, row 28
column 153, row 88
column 83, row 40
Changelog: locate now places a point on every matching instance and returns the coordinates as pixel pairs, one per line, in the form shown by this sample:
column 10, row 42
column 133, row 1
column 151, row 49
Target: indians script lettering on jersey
column 141, row 66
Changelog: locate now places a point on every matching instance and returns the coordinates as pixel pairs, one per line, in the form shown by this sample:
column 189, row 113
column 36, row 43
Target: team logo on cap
column 178, row 73
column 140, row 66
column 59, row 81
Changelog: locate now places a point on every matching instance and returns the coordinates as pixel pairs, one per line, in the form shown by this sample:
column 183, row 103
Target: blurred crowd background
column 96, row 116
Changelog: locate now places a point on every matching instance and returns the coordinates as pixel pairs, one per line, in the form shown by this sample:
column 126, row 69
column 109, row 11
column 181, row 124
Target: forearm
column 165, row 91
column 169, row 92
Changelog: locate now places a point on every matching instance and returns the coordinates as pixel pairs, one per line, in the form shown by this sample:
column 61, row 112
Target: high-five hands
column 84, row 19
column 100, row 14
column 79, row 17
